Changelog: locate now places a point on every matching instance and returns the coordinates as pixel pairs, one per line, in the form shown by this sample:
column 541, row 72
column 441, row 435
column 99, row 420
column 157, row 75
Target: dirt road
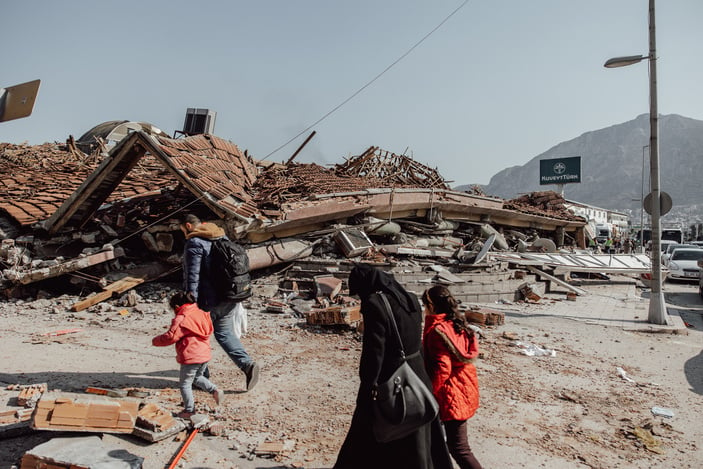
column 588, row 405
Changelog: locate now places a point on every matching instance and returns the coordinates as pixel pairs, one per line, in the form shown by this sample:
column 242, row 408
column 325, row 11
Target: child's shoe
column 219, row 395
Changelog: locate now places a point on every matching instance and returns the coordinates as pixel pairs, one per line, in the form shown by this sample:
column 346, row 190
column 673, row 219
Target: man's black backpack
column 229, row 270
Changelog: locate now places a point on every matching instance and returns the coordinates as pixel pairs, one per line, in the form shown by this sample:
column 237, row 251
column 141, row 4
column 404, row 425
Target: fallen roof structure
column 213, row 169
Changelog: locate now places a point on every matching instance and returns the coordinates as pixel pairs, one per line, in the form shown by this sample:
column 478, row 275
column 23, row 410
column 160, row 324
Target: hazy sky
column 498, row 83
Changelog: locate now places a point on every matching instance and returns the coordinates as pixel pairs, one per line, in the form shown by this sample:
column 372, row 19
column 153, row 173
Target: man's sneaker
column 252, row 372
column 218, row 394
column 184, row 414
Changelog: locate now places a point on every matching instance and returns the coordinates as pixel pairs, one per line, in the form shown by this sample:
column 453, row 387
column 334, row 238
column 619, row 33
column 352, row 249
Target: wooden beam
column 574, row 289
column 138, row 276
column 119, row 286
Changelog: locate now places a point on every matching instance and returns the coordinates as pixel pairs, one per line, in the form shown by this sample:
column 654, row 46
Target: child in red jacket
column 190, row 330
column 450, row 346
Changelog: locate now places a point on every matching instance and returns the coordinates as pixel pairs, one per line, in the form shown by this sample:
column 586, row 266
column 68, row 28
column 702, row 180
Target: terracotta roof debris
column 547, row 203
column 214, row 165
column 296, row 182
column 36, row 180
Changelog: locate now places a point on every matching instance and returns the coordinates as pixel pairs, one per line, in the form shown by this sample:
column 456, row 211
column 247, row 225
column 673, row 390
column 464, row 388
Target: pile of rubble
column 102, row 218
column 543, row 202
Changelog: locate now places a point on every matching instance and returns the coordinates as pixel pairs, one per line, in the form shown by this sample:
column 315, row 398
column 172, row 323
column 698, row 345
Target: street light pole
column 657, row 307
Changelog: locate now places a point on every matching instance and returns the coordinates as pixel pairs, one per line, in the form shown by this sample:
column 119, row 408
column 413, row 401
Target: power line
column 334, row 109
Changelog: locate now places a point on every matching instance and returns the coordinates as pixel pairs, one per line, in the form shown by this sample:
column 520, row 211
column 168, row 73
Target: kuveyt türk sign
column 560, row 170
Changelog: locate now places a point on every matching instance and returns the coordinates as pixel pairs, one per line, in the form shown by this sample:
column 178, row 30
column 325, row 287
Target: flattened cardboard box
column 85, row 412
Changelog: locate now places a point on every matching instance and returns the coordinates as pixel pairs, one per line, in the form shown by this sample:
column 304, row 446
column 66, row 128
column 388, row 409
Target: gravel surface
column 586, row 405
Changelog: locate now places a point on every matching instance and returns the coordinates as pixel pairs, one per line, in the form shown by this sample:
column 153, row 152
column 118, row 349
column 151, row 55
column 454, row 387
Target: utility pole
column 657, row 306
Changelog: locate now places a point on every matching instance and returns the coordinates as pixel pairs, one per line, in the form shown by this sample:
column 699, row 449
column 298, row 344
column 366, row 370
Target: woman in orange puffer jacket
column 450, row 347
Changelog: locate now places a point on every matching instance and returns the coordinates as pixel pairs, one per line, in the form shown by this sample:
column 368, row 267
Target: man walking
column 198, row 280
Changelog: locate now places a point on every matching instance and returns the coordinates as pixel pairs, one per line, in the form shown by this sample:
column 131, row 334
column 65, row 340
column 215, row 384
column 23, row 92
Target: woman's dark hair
column 443, row 301
column 181, row 298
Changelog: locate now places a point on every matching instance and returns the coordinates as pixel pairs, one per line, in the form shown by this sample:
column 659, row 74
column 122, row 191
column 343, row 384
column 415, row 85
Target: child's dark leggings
column 458, row 444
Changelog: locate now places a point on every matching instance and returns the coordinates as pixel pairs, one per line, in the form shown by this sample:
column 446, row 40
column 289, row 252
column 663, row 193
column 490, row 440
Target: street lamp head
column 624, row 61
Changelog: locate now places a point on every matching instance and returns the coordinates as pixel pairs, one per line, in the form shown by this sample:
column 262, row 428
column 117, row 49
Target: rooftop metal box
column 199, row 121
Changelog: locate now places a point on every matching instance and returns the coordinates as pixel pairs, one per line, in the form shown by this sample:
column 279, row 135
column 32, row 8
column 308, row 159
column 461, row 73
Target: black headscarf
column 365, row 279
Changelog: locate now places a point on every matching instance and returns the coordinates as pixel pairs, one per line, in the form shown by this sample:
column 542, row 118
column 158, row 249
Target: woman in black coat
column 423, row 449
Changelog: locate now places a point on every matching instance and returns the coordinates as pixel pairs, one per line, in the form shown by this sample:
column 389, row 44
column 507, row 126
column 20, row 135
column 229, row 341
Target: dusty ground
column 571, row 410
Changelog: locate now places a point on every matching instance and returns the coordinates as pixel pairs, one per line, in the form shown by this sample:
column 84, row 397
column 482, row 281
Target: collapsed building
column 108, row 216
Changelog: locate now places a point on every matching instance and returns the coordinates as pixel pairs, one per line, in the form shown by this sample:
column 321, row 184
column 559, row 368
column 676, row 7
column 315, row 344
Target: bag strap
column 393, row 323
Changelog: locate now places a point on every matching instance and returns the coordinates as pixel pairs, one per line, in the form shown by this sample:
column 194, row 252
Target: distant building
column 617, row 222
column 620, row 222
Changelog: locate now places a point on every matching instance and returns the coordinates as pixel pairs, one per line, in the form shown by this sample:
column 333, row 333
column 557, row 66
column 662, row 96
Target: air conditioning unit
column 199, row 121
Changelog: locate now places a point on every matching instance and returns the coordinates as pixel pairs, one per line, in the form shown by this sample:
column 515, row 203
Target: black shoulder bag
column 402, row 404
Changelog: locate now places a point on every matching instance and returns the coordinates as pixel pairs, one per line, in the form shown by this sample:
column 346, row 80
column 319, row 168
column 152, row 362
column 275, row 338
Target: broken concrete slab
column 84, row 452
column 28, row 276
column 420, row 252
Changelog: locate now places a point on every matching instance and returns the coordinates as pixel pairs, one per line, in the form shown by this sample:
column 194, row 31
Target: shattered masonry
column 65, row 211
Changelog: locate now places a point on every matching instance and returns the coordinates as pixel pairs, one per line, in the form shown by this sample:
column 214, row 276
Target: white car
column 666, row 252
column 663, row 244
column 683, row 264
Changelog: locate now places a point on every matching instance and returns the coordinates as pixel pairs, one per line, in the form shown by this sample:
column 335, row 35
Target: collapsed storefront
column 111, row 220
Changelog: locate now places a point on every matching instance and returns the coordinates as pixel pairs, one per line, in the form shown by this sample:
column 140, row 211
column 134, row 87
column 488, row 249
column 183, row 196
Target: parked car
column 683, row 264
column 664, row 243
column 700, row 278
column 666, row 252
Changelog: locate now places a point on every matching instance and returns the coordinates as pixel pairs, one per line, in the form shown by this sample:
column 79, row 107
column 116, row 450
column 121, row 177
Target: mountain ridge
column 612, row 165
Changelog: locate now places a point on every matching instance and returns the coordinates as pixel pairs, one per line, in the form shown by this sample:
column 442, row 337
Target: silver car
column 683, row 264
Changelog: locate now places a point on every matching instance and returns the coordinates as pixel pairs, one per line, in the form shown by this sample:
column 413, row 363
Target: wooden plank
column 139, row 275
column 574, row 289
column 119, row 286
